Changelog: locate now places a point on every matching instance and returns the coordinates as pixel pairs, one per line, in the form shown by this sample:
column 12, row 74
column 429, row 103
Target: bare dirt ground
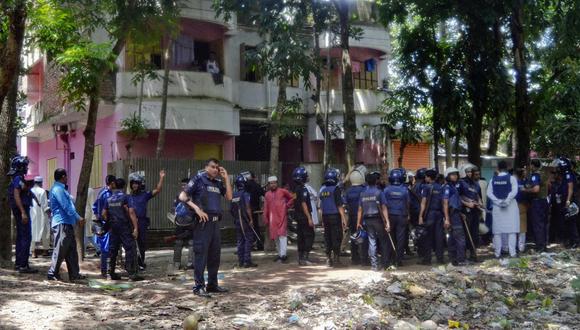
column 488, row 295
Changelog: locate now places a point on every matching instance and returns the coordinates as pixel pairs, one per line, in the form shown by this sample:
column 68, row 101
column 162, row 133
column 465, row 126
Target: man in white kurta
column 502, row 191
column 39, row 216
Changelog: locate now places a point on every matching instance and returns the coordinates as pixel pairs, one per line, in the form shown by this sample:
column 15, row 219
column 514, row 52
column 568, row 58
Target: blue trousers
column 472, row 219
column 538, row 215
column 456, row 243
column 143, row 224
column 377, row 235
column 435, row 238
column 207, row 249
column 245, row 239
column 358, row 253
column 103, row 243
column 23, row 238
column 121, row 233
column 398, row 233
column 332, row 233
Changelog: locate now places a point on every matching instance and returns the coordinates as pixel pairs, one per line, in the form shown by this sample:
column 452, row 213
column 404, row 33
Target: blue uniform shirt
column 352, row 199
column 330, row 199
column 62, row 206
column 396, row 198
column 436, row 192
column 569, row 177
column 521, row 196
column 370, row 201
column 501, row 186
column 240, row 200
column 115, row 206
column 25, row 196
column 98, row 205
column 415, row 197
column 206, row 193
column 451, row 194
column 139, row 201
column 302, row 195
column 469, row 189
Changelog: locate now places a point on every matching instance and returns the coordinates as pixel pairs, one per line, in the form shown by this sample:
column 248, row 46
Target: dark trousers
column 121, row 233
column 65, row 248
column 23, row 238
column 456, row 242
column 571, row 229
column 332, row 233
column 245, row 239
column 105, row 246
column 538, row 216
column 184, row 235
column 256, row 222
column 435, row 238
column 143, row 224
column 398, row 233
column 377, row 236
column 472, row 217
column 358, row 252
column 207, row 249
column 305, row 236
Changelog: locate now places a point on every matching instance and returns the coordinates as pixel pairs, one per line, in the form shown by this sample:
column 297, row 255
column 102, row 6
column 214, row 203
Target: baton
column 463, row 217
column 392, row 243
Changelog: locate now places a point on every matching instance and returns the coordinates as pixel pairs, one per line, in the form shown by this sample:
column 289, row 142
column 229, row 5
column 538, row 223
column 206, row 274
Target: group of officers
column 440, row 210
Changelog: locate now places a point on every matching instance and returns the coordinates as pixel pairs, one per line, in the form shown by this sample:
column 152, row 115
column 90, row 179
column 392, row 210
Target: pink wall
column 365, row 151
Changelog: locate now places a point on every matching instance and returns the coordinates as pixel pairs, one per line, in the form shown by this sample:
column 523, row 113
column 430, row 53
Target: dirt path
column 270, row 296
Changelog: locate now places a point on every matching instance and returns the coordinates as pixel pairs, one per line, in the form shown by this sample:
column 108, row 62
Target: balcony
column 365, row 101
column 187, row 84
column 252, row 95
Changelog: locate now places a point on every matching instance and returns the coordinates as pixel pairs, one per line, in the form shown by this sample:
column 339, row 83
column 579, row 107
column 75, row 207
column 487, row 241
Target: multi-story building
column 225, row 120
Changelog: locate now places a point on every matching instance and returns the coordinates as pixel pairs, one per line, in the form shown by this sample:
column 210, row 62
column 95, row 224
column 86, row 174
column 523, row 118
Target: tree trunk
column 320, row 119
column 494, row 133
column 141, row 95
column 448, row 149
column 275, row 128
column 436, row 136
column 163, row 114
column 456, row 147
column 86, row 169
column 349, row 121
column 8, row 132
column 523, row 113
column 402, row 147
column 10, row 51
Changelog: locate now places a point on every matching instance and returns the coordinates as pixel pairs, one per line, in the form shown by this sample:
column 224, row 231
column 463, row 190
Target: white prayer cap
column 37, row 179
column 273, row 178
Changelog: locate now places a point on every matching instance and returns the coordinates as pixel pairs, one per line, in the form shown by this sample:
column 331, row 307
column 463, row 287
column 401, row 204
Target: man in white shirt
column 39, row 214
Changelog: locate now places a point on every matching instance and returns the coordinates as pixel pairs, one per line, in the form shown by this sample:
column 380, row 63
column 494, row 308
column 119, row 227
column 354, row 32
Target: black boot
column 307, row 259
column 329, row 260
column 337, row 262
column 301, row 259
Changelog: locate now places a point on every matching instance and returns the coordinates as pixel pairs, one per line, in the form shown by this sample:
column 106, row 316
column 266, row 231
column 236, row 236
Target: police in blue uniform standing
column 20, row 199
column 358, row 252
column 396, row 198
column 122, row 219
column 303, row 216
column 138, row 200
column 415, row 202
column 203, row 194
column 431, row 216
column 452, row 212
column 241, row 210
column 374, row 218
column 569, row 183
column 470, row 193
column 333, row 216
column 538, row 213
column 101, row 228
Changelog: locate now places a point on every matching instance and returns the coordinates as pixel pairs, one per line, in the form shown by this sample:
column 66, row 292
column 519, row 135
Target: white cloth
column 505, row 220
column 272, row 178
column 281, row 245
column 483, row 188
column 89, row 215
column 212, row 67
column 497, row 244
column 39, row 217
column 522, row 242
column 313, row 203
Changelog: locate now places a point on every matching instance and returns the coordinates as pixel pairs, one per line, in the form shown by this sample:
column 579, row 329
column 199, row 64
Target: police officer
column 374, row 218
column 452, row 212
column 538, row 213
column 431, row 216
column 102, row 228
column 396, row 199
column 303, row 216
column 203, row 194
column 470, row 193
column 358, row 252
column 20, row 199
column 139, row 199
column 569, row 182
column 183, row 233
column 415, row 201
column 122, row 219
column 333, row 216
column 241, row 210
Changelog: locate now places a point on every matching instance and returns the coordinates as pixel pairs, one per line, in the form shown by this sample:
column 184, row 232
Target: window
column 97, row 168
column 248, row 71
column 203, row 151
column 50, row 168
column 364, row 74
column 334, row 74
column 143, row 54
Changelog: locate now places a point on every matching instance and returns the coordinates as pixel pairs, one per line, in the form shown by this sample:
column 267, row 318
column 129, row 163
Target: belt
column 371, row 217
column 213, row 217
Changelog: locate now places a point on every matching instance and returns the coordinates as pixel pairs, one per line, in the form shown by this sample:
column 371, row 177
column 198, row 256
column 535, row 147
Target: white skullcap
column 273, row 178
column 37, row 179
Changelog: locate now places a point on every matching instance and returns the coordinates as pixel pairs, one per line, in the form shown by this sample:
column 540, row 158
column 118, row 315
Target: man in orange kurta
column 277, row 201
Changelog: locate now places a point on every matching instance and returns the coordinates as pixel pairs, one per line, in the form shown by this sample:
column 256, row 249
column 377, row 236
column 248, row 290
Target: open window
column 248, row 71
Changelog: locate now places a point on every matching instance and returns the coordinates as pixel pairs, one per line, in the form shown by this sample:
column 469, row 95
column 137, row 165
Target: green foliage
column 368, row 299
column 402, row 109
column 531, row 296
column 134, row 127
column 144, row 72
column 547, row 303
column 290, row 118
